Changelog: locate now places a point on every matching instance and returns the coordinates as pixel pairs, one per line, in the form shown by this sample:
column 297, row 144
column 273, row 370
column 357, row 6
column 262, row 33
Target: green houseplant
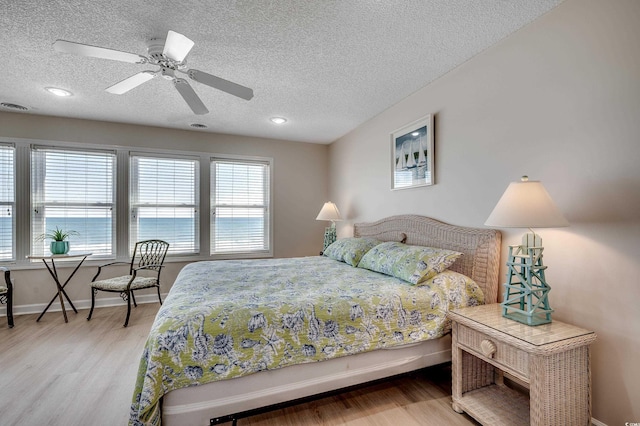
column 59, row 245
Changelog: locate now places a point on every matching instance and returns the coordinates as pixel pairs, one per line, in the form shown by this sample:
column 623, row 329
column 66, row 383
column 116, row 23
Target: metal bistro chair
column 6, row 294
column 147, row 256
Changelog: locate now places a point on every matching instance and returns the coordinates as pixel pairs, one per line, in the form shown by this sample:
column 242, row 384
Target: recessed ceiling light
column 278, row 120
column 58, row 92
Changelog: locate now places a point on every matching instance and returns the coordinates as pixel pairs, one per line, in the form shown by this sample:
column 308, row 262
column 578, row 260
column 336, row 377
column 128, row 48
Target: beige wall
column 300, row 186
column 560, row 101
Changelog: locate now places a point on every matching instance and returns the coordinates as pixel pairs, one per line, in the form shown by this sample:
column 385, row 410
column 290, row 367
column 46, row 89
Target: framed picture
column 412, row 155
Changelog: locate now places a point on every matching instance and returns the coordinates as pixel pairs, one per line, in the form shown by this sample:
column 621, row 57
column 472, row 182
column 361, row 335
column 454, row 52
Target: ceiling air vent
column 198, row 125
column 13, row 107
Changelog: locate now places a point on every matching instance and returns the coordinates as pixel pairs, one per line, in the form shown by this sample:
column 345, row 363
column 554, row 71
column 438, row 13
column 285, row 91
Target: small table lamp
column 526, row 204
column 329, row 212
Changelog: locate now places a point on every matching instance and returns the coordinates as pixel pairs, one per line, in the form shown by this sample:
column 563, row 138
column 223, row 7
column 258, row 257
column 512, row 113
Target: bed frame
column 221, row 400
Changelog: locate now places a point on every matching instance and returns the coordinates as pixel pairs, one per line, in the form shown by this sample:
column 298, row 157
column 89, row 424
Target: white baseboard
column 596, row 422
column 79, row 304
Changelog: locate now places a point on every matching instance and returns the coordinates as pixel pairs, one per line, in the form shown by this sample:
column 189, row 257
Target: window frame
column 11, row 204
column 133, row 206
column 38, row 186
column 268, row 252
column 22, row 211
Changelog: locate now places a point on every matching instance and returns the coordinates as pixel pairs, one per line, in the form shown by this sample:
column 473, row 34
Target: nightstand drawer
column 503, row 354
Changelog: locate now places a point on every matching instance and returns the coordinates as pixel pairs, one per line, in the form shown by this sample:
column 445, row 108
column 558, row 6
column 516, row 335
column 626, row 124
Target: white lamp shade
column 329, row 212
column 526, row 204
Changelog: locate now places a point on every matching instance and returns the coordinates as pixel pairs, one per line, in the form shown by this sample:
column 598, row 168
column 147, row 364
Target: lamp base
column 526, row 297
column 329, row 237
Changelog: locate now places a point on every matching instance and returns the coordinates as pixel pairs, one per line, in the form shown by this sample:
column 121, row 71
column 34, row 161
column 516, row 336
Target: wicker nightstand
column 552, row 360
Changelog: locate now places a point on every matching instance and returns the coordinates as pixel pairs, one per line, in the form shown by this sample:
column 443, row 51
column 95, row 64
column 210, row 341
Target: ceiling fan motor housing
column 155, row 48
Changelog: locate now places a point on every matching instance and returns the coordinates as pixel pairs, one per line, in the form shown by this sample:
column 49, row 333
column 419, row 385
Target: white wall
column 300, row 189
column 560, row 101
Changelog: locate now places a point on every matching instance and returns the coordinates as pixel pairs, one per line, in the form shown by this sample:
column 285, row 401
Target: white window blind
column 239, row 206
column 164, row 202
column 73, row 190
column 7, row 202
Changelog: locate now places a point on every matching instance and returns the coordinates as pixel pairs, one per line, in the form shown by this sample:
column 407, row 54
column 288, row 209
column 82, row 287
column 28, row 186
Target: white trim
column 10, row 201
column 63, row 147
column 37, row 308
column 595, row 422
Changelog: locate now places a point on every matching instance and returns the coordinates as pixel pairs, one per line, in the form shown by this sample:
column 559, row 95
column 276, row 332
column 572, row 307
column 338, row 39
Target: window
column 164, row 202
column 7, row 202
column 73, row 190
column 113, row 197
column 240, row 212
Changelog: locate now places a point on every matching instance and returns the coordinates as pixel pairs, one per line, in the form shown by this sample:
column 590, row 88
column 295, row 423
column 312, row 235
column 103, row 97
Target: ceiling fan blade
column 177, row 46
column 131, row 82
column 64, row 46
column 221, row 84
column 190, row 96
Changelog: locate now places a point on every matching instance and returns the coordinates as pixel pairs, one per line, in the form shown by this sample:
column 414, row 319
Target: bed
column 193, row 369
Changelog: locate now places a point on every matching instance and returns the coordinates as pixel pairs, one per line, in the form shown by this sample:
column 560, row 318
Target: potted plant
column 59, row 245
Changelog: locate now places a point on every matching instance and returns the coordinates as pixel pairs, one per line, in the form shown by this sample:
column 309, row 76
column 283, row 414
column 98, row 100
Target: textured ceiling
column 327, row 66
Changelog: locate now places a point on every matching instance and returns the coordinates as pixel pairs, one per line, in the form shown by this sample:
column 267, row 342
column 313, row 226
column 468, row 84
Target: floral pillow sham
column 413, row 264
column 350, row 250
column 461, row 290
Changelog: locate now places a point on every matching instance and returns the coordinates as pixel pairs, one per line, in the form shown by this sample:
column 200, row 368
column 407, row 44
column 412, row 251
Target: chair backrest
column 6, row 294
column 149, row 252
column 7, row 286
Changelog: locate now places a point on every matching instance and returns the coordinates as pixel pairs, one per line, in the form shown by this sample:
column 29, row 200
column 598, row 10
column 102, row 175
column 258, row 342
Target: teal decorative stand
column 526, row 297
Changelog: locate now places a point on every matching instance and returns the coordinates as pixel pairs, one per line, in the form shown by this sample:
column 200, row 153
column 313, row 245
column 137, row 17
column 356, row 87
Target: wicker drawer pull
column 488, row 348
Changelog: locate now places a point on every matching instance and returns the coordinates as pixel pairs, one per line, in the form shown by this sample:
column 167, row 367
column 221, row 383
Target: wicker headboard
column 480, row 246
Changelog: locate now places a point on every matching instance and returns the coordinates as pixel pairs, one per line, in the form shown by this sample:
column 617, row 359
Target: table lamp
column 330, row 212
column 526, row 204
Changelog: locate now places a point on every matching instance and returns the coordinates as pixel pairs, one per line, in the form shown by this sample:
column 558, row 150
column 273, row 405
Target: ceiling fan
column 170, row 56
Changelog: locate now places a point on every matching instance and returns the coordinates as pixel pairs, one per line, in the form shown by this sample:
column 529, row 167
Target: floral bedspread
column 226, row 319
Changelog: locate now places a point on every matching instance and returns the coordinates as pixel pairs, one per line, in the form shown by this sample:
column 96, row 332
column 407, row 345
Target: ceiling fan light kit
column 169, row 54
column 177, row 46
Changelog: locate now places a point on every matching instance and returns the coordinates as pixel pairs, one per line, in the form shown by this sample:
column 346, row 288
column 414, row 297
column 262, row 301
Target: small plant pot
column 59, row 247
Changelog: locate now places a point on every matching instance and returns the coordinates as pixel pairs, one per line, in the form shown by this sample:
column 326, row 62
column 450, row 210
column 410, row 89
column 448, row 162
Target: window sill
column 71, row 263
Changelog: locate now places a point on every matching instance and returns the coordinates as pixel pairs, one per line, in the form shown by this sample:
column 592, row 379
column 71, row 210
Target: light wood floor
column 83, row 373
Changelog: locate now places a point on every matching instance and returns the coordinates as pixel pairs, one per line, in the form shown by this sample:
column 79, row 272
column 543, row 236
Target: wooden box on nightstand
column 552, row 360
